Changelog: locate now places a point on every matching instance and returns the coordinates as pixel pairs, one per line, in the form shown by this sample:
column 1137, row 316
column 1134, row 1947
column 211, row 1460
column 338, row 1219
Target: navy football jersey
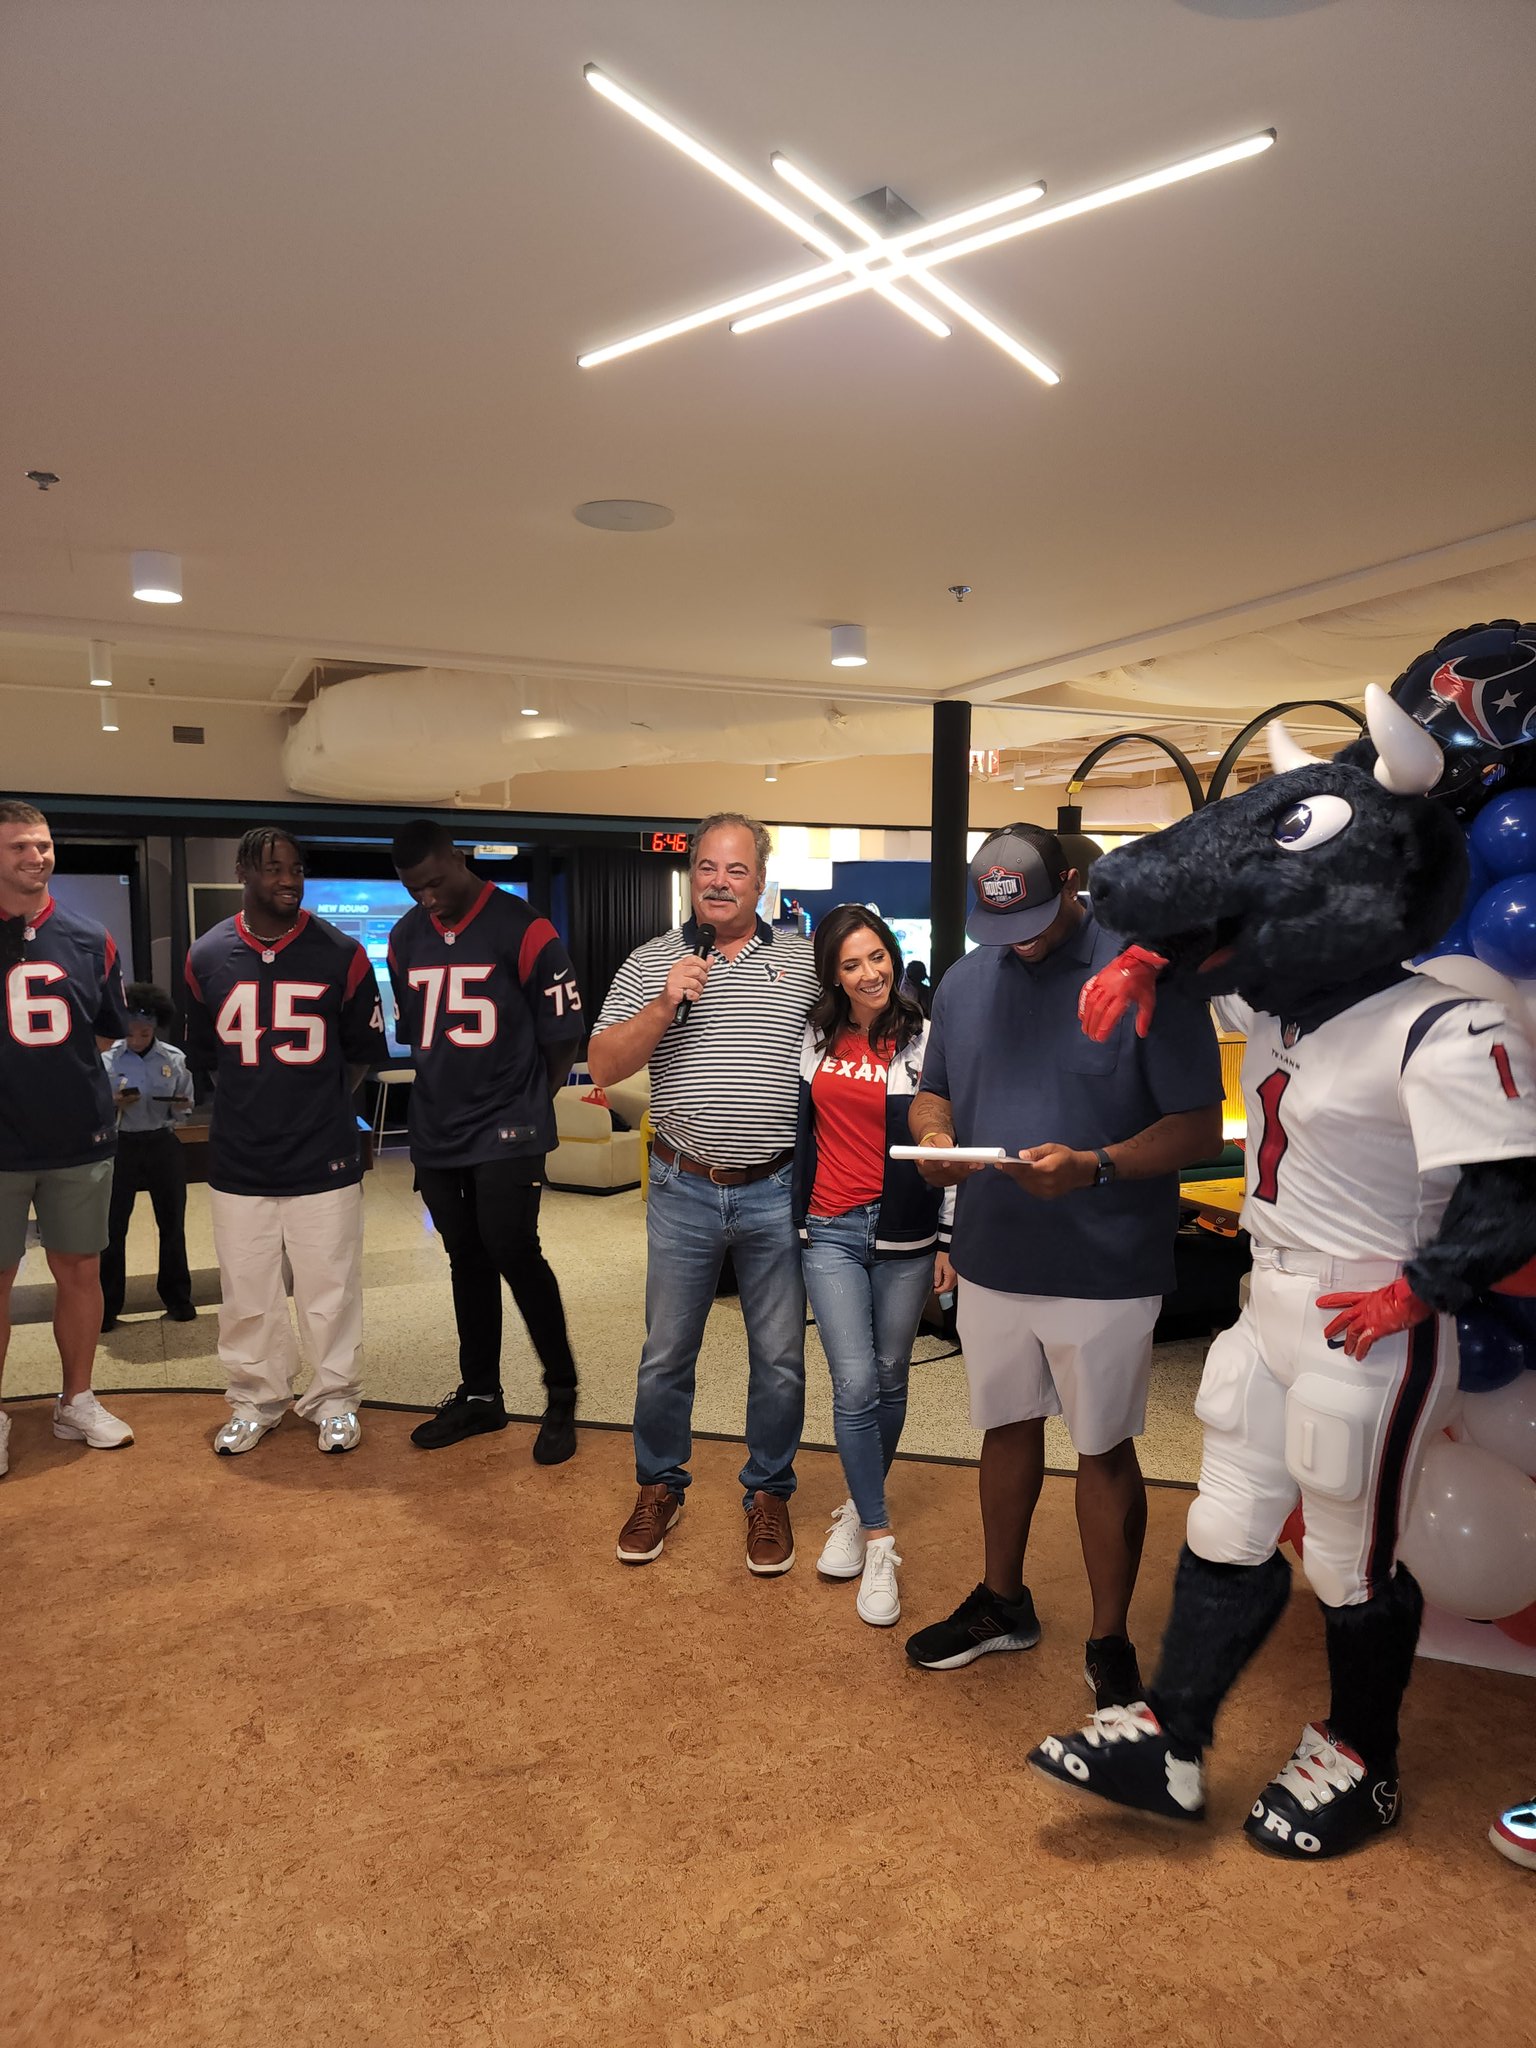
column 279, row 1024
column 478, row 1002
column 63, row 989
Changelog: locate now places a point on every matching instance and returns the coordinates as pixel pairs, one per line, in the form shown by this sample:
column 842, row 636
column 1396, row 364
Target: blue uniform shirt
column 160, row 1075
column 1008, row 1053
column 61, row 990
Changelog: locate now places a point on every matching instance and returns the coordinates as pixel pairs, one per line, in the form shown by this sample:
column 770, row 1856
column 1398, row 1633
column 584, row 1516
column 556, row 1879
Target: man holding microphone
column 717, row 1009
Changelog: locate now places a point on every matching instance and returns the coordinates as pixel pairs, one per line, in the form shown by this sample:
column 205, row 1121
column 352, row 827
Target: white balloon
column 1504, row 1422
column 1471, row 1535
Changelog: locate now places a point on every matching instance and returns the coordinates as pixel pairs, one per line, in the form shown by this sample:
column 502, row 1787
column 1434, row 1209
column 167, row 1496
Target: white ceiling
column 296, row 292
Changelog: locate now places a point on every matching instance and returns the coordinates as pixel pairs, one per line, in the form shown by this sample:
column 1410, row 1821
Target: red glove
column 1131, row 977
column 1381, row 1313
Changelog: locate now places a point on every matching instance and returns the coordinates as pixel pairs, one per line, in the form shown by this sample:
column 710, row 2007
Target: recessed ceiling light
column 156, row 577
column 101, row 665
column 848, row 647
column 108, row 714
column 771, row 771
column 624, row 515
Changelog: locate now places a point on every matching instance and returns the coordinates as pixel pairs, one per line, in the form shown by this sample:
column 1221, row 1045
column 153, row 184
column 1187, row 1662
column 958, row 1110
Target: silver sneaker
column 340, row 1432
column 240, row 1433
column 85, row 1421
column 842, row 1556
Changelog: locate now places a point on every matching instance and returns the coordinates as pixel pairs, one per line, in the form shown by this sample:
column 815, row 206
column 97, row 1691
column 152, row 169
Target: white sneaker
column 340, row 1432
column 5, row 1441
column 85, row 1421
column 241, row 1433
column 843, row 1555
column 879, row 1603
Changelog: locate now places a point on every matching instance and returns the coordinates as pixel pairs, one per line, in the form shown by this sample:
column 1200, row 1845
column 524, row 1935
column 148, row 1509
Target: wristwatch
column 1104, row 1172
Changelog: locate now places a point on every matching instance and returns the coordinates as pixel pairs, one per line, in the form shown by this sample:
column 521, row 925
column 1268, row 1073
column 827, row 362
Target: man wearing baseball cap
column 1064, row 1249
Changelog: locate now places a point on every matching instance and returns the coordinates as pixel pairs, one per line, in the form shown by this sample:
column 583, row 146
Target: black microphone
column 703, row 947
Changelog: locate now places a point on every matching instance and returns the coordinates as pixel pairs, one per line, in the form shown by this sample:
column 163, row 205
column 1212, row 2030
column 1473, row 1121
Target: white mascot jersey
column 1357, row 1126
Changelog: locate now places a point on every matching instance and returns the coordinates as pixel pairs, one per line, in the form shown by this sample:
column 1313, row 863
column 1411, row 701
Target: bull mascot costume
column 1390, row 1181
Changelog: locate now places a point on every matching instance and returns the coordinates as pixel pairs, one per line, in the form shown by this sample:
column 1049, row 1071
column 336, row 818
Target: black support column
column 950, row 819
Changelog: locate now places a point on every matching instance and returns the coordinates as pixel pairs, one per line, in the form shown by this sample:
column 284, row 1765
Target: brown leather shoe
column 770, row 1540
column 643, row 1535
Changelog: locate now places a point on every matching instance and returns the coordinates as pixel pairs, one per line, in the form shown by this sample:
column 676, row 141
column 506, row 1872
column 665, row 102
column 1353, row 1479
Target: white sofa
column 591, row 1157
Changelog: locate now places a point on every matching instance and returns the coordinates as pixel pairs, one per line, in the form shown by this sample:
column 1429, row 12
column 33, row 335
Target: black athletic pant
column 152, row 1162
column 488, row 1219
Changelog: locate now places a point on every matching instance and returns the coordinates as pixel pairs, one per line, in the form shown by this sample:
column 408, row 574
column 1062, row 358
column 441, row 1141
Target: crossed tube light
column 883, row 263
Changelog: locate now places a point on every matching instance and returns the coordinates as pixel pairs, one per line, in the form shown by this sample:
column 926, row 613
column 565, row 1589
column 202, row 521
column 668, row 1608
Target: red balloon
column 1295, row 1529
column 1521, row 1627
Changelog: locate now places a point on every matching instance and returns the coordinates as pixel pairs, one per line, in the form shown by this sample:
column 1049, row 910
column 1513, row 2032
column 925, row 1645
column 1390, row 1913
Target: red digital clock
column 665, row 842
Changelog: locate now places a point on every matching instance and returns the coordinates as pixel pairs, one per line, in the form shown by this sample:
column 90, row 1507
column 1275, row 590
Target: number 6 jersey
column 478, row 1002
column 279, row 1023
column 60, row 990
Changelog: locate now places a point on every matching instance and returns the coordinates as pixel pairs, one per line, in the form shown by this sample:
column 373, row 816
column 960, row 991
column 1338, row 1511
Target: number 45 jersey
column 1358, row 1123
column 279, row 1024
column 479, row 1001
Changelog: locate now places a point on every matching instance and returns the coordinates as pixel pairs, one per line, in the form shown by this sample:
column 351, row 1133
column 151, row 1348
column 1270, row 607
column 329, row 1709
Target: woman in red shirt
column 872, row 1232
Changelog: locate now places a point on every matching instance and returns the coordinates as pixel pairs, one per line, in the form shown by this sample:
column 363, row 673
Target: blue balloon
column 1503, row 924
column 1503, row 834
column 1480, row 876
column 1491, row 1353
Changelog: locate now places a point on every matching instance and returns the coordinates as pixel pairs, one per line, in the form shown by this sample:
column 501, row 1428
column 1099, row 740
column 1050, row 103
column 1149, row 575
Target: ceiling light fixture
column 1020, row 776
column 848, row 647
column 882, row 259
column 530, row 709
column 101, row 665
column 156, row 577
column 108, row 714
column 771, row 772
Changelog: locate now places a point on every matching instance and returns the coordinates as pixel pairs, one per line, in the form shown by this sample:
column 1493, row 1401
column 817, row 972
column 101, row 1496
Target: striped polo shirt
column 725, row 1085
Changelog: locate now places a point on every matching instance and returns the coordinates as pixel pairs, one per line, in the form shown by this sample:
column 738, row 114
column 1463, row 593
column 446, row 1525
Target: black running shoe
column 457, row 1418
column 1324, row 1803
column 1113, row 1675
column 556, row 1440
column 981, row 1622
column 1123, row 1755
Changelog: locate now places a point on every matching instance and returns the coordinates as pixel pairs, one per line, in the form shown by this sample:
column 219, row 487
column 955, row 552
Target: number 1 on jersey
column 1273, row 1142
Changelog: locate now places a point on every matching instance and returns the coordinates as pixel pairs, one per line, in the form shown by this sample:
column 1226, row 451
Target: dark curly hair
column 259, row 841
column 831, row 1014
column 144, row 999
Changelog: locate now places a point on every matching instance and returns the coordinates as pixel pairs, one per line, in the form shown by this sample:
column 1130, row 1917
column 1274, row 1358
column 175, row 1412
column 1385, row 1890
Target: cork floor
column 597, row 1246
column 386, row 1750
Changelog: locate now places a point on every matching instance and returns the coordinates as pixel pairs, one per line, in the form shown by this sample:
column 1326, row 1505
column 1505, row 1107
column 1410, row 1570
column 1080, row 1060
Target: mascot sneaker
column 1124, row 1756
column 1324, row 1803
column 1513, row 1834
column 842, row 1555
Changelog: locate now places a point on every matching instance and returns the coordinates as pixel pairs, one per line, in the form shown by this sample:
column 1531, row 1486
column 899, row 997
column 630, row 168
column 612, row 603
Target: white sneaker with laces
column 340, row 1432
column 5, row 1441
column 85, row 1421
column 842, row 1556
column 240, row 1433
column 879, row 1602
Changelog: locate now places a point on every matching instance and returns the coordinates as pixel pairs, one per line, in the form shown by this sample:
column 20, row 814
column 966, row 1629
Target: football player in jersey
column 1391, row 1179
column 284, row 1010
column 489, row 1005
column 62, row 990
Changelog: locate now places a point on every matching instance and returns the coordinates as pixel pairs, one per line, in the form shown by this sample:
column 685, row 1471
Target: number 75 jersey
column 280, row 1024
column 1358, row 1125
column 479, row 1002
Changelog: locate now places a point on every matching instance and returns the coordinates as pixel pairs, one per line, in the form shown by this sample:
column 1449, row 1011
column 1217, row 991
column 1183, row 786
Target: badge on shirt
column 775, row 974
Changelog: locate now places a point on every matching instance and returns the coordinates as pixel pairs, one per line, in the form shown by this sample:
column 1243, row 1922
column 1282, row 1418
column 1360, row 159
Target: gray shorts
column 1028, row 1356
column 71, row 1202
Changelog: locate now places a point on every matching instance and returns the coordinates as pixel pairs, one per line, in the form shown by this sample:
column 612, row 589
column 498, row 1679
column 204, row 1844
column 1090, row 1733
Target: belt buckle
column 715, row 1173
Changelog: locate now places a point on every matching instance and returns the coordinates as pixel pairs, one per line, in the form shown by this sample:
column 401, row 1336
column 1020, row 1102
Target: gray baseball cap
column 1017, row 877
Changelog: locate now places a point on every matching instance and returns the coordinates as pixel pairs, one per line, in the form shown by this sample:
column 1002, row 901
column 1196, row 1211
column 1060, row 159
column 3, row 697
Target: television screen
column 106, row 900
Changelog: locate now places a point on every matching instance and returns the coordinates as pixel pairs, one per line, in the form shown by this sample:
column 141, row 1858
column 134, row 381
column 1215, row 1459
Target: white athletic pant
column 1287, row 1418
column 322, row 1236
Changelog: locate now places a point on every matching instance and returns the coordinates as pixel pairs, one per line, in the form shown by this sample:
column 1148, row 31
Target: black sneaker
column 1124, row 1756
column 1113, row 1675
column 556, row 1440
column 981, row 1622
column 183, row 1312
column 457, row 1418
column 1324, row 1803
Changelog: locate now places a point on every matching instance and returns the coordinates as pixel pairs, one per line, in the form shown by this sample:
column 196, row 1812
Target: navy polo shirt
column 1008, row 1053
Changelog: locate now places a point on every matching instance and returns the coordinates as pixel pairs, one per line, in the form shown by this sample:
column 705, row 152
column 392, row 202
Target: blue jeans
column 689, row 1223
column 867, row 1311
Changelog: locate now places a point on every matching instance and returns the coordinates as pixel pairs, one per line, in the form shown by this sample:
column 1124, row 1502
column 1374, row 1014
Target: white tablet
column 982, row 1154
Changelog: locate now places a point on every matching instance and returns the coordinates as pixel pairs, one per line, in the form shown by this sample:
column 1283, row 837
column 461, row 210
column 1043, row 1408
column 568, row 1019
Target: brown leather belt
column 722, row 1176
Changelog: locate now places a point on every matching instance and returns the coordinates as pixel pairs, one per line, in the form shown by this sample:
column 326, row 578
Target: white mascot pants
column 1288, row 1418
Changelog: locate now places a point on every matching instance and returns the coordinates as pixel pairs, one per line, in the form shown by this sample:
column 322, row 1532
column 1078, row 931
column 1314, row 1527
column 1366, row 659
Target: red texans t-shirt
column 848, row 1098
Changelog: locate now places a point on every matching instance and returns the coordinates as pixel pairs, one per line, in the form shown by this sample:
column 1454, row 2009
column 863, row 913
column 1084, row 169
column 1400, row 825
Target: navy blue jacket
column 914, row 1218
